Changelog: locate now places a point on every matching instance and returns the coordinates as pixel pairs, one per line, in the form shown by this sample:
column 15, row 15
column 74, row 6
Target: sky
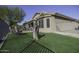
column 30, row 10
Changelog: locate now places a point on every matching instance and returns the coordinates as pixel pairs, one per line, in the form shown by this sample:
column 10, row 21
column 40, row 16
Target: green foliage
column 3, row 12
column 12, row 15
column 17, row 14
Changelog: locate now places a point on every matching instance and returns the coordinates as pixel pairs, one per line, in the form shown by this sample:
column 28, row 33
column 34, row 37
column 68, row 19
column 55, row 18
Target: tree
column 3, row 12
column 16, row 16
column 12, row 16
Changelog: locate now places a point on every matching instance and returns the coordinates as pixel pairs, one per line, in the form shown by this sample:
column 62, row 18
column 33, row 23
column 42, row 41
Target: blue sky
column 30, row 10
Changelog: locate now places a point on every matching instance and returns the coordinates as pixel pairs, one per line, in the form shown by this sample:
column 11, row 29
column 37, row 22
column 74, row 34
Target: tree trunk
column 15, row 29
column 10, row 29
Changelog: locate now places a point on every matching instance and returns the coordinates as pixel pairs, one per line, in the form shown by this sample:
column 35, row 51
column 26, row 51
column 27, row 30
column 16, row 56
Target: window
column 48, row 23
column 77, row 28
column 41, row 24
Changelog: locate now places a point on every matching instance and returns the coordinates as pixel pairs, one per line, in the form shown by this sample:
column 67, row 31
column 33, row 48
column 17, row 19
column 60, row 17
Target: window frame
column 48, row 23
column 41, row 23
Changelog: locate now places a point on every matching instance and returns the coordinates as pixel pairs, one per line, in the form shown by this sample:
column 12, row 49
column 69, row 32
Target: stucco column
column 35, row 34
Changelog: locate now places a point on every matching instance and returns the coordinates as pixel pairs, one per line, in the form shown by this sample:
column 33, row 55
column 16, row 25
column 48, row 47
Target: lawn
column 15, row 43
column 60, row 43
column 48, row 42
column 24, row 44
column 35, row 47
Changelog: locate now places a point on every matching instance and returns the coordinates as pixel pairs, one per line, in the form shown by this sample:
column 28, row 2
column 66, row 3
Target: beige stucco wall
column 66, row 26
column 59, row 24
column 52, row 25
column 45, row 29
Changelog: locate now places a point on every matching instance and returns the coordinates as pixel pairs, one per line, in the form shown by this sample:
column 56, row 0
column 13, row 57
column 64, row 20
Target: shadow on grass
column 20, row 33
column 41, row 35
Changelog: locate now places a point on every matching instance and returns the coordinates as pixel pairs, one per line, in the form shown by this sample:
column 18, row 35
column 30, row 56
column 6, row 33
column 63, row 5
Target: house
column 4, row 30
column 54, row 22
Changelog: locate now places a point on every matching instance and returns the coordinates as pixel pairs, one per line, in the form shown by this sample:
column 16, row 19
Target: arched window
column 41, row 24
column 48, row 22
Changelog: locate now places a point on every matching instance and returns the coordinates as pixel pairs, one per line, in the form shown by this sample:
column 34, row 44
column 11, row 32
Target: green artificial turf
column 24, row 44
column 47, row 42
column 15, row 43
column 60, row 43
column 35, row 47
